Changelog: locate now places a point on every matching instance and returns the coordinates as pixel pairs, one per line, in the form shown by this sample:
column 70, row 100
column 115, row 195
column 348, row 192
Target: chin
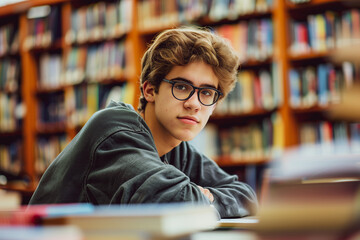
column 187, row 139
column 186, row 136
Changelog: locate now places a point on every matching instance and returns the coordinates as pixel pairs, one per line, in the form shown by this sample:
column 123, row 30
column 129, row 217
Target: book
column 323, row 89
column 11, row 162
column 348, row 109
column 225, row 235
column 247, row 223
column 267, row 96
column 295, row 88
column 9, row 200
column 309, row 85
column 308, row 192
column 163, row 220
column 31, row 215
column 40, row 233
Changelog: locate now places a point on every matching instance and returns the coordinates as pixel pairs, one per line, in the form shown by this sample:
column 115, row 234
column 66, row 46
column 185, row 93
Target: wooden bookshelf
column 286, row 119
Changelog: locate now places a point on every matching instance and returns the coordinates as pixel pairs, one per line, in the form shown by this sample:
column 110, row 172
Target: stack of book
column 138, row 221
column 312, row 194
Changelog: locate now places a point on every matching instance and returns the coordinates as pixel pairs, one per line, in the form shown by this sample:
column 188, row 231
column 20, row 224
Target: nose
column 193, row 101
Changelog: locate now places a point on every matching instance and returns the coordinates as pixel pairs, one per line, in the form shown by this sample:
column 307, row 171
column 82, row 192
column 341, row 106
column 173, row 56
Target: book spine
column 331, row 137
column 253, row 90
column 47, row 149
column 11, row 157
column 238, row 144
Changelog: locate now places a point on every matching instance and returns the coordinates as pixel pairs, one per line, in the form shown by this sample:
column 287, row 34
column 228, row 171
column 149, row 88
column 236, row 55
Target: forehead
column 198, row 73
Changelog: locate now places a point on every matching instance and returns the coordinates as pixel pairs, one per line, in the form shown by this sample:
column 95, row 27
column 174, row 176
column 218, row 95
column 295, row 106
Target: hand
column 207, row 193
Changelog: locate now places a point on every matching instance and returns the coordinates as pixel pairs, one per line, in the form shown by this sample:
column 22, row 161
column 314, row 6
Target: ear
column 148, row 91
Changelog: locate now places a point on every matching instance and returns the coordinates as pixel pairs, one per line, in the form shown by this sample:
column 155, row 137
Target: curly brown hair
column 180, row 46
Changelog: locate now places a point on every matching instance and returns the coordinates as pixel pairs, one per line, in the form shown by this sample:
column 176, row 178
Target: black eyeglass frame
column 219, row 94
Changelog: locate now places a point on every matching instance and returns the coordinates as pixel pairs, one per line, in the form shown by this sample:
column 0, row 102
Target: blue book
column 323, row 88
column 311, row 31
column 295, row 86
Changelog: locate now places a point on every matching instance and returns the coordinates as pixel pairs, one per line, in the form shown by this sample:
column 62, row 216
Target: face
column 183, row 120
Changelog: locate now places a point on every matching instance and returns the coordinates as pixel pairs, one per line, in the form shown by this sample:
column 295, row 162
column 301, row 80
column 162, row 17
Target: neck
column 164, row 142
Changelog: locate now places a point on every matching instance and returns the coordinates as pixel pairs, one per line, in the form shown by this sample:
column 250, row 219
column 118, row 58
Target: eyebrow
column 188, row 81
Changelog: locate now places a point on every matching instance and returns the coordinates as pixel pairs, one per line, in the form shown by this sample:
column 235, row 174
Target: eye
column 182, row 87
column 207, row 92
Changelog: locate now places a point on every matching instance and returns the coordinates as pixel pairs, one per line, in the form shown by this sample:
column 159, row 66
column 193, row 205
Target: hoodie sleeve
column 126, row 169
column 232, row 197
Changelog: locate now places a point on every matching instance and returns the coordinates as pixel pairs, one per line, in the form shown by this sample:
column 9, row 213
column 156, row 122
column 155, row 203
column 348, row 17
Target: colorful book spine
column 316, row 85
column 239, row 143
column 330, row 137
column 253, row 40
column 10, row 119
column 50, row 71
column 47, row 149
column 253, row 90
column 325, row 31
column 11, row 157
column 9, row 39
column 294, row 83
column 167, row 13
column 355, row 137
column 82, row 101
column 96, row 63
column 10, row 98
column 44, row 24
column 9, row 75
column 51, row 110
column 100, row 21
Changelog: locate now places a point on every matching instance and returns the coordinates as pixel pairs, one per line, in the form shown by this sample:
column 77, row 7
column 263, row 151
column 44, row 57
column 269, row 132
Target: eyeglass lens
column 183, row 91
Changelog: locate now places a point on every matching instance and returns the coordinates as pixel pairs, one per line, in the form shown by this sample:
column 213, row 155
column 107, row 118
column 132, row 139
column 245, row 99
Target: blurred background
column 297, row 88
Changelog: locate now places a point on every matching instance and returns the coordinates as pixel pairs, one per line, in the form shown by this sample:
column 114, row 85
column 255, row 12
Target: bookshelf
column 81, row 49
column 66, row 73
column 315, row 82
column 11, row 94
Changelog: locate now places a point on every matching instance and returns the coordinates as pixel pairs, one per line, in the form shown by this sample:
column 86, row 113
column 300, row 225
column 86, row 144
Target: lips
column 189, row 119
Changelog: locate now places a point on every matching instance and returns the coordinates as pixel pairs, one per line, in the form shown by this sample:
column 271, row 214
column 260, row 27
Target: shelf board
column 10, row 134
column 156, row 29
column 46, row 90
column 206, row 21
column 308, row 56
column 311, row 109
column 19, row 187
column 319, row 3
column 55, row 46
column 110, row 81
column 20, row 7
column 10, row 92
column 51, row 128
column 99, row 40
column 228, row 161
column 313, row 113
column 10, row 54
column 257, row 112
column 250, row 63
column 107, row 81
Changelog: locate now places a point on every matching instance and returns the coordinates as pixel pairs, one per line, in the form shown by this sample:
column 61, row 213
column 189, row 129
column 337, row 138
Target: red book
column 33, row 214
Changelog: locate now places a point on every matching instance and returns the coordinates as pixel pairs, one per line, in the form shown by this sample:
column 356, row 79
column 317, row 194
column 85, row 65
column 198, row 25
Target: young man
column 121, row 156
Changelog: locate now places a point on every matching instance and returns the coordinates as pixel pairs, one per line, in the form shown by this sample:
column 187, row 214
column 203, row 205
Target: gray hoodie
column 113, row 160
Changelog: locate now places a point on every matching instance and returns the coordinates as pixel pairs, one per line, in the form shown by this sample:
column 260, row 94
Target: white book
column 163, row 220
column 40, row 233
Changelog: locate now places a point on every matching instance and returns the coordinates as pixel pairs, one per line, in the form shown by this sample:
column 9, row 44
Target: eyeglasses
column 183, row 91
